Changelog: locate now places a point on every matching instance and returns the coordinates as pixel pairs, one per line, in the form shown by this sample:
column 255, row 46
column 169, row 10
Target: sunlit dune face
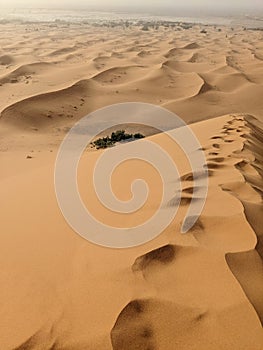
column 121, row 181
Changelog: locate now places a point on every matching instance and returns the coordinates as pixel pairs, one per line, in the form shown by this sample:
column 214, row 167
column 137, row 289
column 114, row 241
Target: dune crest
column 248, row 266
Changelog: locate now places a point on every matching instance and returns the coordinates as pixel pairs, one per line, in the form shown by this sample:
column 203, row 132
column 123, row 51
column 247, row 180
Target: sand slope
column 179, row 291
column 247, row 266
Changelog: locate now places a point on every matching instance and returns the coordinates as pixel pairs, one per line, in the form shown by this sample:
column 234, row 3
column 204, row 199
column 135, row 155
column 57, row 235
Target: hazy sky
column 150, row 4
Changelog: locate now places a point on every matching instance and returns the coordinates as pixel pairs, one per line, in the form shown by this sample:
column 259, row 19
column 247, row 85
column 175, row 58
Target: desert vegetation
column 117, row 136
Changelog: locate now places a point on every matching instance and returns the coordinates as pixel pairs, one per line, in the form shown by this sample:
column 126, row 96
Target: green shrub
column 117, row 136
column 139, row 136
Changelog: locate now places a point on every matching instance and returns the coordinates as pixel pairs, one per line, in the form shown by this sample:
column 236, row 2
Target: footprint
column 217, row 160
column 133, row 330
column 216, row 138
column 183, row 201
column 163, row 255
column 144, row 323
column 198, row 175
column 242, row 165
column 227, row 128
column 213, row 166
column 198, row 226
column 189, row 190
column 187, row 177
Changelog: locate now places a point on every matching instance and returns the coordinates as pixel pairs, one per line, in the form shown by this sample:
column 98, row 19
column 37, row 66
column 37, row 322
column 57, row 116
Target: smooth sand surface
column 200, row 290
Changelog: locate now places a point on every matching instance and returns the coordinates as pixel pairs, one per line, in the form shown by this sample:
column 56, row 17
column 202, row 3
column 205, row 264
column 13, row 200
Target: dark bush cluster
column 117, row 136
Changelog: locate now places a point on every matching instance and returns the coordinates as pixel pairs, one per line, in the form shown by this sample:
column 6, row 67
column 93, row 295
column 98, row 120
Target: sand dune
column 232, row 74
column 118, row 75
column 5, row 60
column 191, row 46
column 24, row 72
column 119, row 295
column 200, row 290
column 38, row 111
column 186, row 67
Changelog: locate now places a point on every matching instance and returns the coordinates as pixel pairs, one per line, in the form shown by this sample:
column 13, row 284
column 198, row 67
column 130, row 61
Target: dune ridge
column 247, row 266
column 155, row 266
column 119, row 296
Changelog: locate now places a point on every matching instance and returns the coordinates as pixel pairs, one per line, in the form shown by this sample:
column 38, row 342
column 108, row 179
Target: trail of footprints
column 215, row 161
column 135, row 326
column 247, row 266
